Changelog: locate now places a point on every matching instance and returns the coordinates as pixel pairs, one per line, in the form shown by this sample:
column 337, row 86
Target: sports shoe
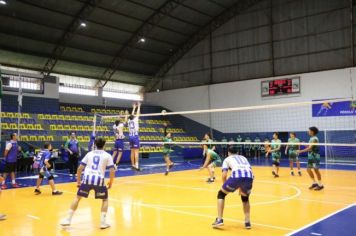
column 292, row 173
column 313, row 186
column 247, row 225
column 299, row 173
column 138, row 169
column 274, row 173
column 166, row 173
column 171, row 165
column 2, row 217
column 319, row 187
column 65, row 222
column 104, row 225
column 218, row 223
column 209, row 181
column 37, row 191
column 15, row 185
column 57, row 193
column 4, row 186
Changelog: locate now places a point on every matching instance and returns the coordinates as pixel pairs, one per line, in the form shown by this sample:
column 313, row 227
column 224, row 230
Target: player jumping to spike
column 94, row 165
column 167, row 149
column 118, row 128
column 313, row 159
column 291, row 151
column 276, row 154
column 133, row 125
column 241, row 179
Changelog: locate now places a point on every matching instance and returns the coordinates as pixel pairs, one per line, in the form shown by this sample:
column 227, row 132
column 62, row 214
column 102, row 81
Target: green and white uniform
column 239, row 146
column 167, row 147
column 257, row 147
column 313, row 155
column 248, row 146
column 292, row 149
column 214, row 158
column 276, row 155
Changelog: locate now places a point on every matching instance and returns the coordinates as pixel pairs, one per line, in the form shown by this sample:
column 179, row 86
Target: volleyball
column 164, row 112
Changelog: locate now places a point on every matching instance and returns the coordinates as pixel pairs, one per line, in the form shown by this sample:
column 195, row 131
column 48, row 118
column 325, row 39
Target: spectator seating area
column 56, row 126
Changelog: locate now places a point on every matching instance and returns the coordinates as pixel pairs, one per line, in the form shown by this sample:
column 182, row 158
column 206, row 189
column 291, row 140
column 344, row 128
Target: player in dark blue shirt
column 42, row 159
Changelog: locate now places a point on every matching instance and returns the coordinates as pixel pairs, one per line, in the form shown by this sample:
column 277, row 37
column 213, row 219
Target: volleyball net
column 249, row 128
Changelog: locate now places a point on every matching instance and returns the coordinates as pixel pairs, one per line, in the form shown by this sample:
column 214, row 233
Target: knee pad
column 244, row 198
column 276, row 163
column 50, row 177
column 41, row 176
column 221, row 195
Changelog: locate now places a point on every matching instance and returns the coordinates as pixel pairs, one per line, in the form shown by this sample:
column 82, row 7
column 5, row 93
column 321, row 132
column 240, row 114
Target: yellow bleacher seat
column 33, row 138
column 38, row 127
column 24, row 138
column 13, row 126
column 10, row 115
column 50, row 138
column 52, row 127
column 26, row 115
column 74, row 127
column 59, row 127
column 61, row 108
column 67, row 117
column 54, row 117
column 48, row 117
column 60, row 117
column 80, row 138
column 23, row 126
column 41, row 138
column 40, row 116
column 64, row 138
column 86, row 139
column 5, row 126
column 80, row 128
column 66, row 127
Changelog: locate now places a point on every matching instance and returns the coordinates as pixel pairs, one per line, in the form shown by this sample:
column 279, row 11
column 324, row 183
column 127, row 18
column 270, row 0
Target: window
column 81, row 90
column 121, row 95
column 28, row 84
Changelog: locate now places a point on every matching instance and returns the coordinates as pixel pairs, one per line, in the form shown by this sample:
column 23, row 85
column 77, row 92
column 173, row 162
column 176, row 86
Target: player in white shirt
column 118, row 129
column 94, row 165
column 241, row 179
column 133, row 125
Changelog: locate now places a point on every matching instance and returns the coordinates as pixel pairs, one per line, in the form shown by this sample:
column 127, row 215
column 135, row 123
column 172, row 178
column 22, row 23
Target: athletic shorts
column 217, row 163
column 101, row 192
column 313, row 160
column 44, row 172
column 119, row 145
column 10, row 167
column 233, row 184
column 276, row 156
column 134, row 141
column 293, row 156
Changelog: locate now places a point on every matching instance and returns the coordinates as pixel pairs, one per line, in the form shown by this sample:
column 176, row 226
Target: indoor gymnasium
column 178, row 117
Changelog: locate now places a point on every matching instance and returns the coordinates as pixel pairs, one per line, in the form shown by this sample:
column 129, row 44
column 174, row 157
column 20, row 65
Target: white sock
column 103, row 217
column 136, row 164
column 13, row 181
column 3, row 182
column 70, row 214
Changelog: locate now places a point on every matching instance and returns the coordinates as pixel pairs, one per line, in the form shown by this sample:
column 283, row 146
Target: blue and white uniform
column 42, row 156
column 241, row 174
column 119, row 137
column 96, row 162
column 134, row 127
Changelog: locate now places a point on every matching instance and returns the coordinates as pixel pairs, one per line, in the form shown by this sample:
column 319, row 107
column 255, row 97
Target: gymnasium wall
column 317, row 85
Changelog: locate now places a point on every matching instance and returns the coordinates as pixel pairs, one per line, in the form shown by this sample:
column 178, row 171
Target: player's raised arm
column 138, row 113
column 134, row 106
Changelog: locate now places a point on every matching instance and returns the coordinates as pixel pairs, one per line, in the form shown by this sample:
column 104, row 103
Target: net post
column 94, row 123
column 326, row 150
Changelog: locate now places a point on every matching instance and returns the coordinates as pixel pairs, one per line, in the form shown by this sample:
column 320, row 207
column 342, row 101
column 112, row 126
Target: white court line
column 321, row 219
column 33, row 217
column 190, row 213
column 316, row 234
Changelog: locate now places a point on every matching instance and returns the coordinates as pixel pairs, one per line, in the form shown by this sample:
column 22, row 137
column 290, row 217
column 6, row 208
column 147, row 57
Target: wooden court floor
column 180, row 204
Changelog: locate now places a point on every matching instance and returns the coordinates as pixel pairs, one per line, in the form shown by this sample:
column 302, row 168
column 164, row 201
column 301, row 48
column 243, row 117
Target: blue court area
column 341, row 223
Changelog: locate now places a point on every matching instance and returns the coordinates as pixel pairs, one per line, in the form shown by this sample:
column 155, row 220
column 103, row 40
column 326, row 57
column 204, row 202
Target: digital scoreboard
column 280, row 87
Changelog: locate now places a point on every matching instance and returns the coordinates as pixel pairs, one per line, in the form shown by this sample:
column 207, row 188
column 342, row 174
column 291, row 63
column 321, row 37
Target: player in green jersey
column 291, row 152
column 275, row 150
column 212, row 160
column 167, row 149
column 313, row 159
column 257, row 147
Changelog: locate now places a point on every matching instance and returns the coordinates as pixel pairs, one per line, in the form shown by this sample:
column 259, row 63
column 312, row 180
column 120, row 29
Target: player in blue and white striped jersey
column 133, row 125
column 241, row 179
column 94, row 165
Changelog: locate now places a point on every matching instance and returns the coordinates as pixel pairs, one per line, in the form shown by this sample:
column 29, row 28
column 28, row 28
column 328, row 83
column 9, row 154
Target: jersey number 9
column 96, row 161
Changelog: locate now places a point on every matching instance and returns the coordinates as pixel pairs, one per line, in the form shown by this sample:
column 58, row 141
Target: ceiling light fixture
column 142, row 40
column 83, row 24
column 3, row 2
